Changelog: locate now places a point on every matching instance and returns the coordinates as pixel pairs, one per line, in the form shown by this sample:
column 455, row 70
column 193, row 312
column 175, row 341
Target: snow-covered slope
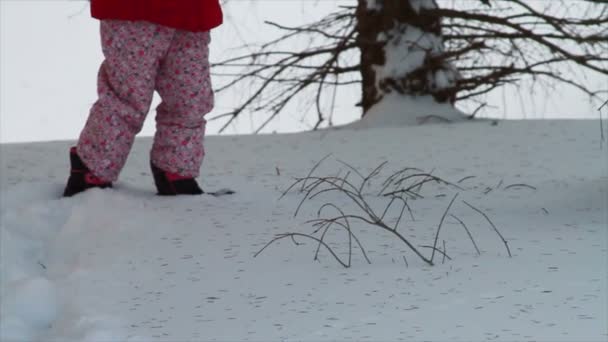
column 124, row 264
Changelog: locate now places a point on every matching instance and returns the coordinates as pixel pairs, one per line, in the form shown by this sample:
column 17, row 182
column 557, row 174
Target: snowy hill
column 125, row 265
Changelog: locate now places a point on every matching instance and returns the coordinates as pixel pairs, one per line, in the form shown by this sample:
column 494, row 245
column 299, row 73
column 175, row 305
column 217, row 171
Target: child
column 149, row 45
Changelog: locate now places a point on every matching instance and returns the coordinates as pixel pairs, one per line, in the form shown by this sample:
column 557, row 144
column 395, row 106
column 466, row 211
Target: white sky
column 49, row 56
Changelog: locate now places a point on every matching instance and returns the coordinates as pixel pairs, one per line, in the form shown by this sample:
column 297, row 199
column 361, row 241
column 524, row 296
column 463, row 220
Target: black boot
column 169, row 184
column 81, row 178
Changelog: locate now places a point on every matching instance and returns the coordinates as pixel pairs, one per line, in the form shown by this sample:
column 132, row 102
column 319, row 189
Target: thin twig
column 405, row 205
column 465, row 178
column 371, row 175
column 602, row 137
column 468, row 232
column 499, row 184
column 440, row 224
column 321, row 239
column 293, row 239
column 430, row 176
column 346, row 226
column 291, row 235
column 519, row 186
column 493, row 226
column 351, row 167
column 354, row 237
column 313, row 170
column 389, row 181
column 387, row 207
column 403, row 191
column 409, row 209
column 436, row 249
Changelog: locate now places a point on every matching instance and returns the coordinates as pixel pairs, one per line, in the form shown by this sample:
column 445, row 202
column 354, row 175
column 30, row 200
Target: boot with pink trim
column 171, row 184
column 81, row 178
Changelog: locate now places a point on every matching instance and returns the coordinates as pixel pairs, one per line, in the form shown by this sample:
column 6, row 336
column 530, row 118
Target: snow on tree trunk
column 401, row 52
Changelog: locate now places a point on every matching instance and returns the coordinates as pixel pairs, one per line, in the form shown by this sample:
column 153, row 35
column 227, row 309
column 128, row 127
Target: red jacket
column 190, row 15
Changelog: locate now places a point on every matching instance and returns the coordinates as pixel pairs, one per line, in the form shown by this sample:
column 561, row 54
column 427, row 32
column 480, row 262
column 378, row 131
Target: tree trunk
column 402, row 50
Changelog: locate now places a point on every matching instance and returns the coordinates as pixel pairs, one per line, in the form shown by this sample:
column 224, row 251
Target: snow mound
column 33, row 301
column 396, row 110
column 29, row 299
column 47, row 242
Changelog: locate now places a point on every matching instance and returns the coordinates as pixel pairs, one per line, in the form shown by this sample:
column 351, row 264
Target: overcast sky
column 50, row 53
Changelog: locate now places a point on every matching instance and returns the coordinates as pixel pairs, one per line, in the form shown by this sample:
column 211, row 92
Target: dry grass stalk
column 405, row 182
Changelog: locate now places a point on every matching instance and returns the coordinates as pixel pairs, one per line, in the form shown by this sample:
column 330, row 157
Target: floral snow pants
column 141, row 57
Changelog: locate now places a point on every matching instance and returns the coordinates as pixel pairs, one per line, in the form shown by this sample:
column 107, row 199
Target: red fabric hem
column 188, row 15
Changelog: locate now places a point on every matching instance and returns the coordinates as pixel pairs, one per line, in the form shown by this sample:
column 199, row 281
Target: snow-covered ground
column 124, row 264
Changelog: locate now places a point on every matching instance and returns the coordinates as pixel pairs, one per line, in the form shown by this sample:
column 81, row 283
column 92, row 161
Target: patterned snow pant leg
column 184, row 85
column 141, row 57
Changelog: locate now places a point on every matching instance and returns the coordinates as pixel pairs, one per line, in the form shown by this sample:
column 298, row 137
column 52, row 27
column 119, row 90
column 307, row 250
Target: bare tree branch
column 490, row 43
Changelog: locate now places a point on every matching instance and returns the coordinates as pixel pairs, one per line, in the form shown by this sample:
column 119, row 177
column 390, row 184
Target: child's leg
column 126, row 78
column 185, row 88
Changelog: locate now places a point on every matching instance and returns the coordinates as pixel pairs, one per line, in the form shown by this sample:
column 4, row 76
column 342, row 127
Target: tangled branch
column 500, row 43
column 278, row 76
column 312, row 187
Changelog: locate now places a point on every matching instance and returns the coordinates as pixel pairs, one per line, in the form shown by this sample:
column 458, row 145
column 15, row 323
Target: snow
column 374, row 4
column 397, row 110
column 417, row 5
column 405, row 50
column 30, row 304
column 125, row 265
